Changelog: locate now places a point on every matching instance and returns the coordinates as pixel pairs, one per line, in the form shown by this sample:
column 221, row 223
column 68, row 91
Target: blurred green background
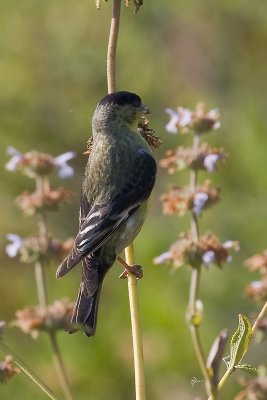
column 52, row 74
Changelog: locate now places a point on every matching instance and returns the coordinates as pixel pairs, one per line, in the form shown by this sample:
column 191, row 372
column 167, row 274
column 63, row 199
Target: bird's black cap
column 121, row 99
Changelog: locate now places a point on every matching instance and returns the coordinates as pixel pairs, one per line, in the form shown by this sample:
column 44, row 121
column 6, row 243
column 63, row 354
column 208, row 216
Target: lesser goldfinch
column 117, row 184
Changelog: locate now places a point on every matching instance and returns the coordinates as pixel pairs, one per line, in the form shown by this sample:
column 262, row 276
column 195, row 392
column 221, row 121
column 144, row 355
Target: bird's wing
column 84, row 209
column 104, row 219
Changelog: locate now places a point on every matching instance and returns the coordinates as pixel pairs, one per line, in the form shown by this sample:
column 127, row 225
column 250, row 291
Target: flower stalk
column 136, row 328
column 42, row 185
column 262, row 313
column 112, row 46
column 193, row 313
column 193, row 249
column 129, row 251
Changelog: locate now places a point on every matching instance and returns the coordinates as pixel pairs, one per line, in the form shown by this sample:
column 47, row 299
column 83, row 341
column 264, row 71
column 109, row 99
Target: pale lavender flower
column 14, row 247
column 215, row 115
column 64, row 170
column 171, row 126
column 256, row 285
column 211, row 160
column 179, row 119
column 231, row 245
column 208, row 257
column 16, row 157
column 34, row 163
column 199, row 202
column 164, row 257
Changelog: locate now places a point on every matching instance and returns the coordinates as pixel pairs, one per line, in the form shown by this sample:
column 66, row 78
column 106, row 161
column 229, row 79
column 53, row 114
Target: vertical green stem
column 42, row 185
column 194, row 286
column 40, row 284
column 259, row 317
column 112, row 46
column 60, row 366
column 136, row 329
column 129, row 252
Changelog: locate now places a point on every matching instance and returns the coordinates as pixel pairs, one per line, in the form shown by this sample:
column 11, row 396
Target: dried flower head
column 257, row 290
column 7, row 370
column 89, row 146
column 148, row 133
column 54, row 317
column 180, row 199
column 258, row 262
column 175, row 201
column 49, row 200
column 137, row 4
column 204, row 121
column 31, row 248
column 215, row 252
column 208, row 250
column 202, row 158
column 182, row 252
column 200, row 121
column 35, row 164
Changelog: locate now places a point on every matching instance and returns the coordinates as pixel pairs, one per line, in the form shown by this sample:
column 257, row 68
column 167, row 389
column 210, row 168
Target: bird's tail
column 84, row 315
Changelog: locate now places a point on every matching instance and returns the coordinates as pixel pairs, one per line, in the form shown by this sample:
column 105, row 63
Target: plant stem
column 17, row 360
column 129, row 251
column 39, row 264
column 259, row 317
column 194, row 318
column 60, row 366
column 112, row 46
column 40, row 284
column 43, row 185
column 136, row 328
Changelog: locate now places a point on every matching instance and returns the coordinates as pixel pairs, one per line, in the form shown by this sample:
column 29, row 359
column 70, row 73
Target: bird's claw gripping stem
column 135, row 269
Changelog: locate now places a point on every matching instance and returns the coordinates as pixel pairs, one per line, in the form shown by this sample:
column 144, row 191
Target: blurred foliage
column 52, row 74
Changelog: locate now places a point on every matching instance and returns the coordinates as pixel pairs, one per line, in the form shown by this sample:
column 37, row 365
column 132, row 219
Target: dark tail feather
column 84, row 315
column 73, row 259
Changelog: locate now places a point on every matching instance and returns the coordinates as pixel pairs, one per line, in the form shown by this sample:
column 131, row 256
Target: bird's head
column 121, row 108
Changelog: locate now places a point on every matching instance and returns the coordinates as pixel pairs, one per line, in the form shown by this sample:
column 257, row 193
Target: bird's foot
column 135, row 269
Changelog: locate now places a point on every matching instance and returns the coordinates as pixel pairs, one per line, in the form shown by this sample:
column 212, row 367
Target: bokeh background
column 52, row 74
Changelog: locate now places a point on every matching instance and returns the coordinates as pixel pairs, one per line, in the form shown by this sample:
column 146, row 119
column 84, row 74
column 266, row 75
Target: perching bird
column 117, row 184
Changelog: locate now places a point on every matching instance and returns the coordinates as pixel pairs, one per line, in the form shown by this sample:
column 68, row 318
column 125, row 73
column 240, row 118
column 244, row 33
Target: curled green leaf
column 240, row 341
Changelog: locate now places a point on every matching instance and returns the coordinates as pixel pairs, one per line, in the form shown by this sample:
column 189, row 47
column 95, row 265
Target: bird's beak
column 144, row 109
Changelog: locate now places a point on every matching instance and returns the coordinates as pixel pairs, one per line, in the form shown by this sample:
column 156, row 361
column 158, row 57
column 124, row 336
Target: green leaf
column 240, row 341
column 247, row 368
